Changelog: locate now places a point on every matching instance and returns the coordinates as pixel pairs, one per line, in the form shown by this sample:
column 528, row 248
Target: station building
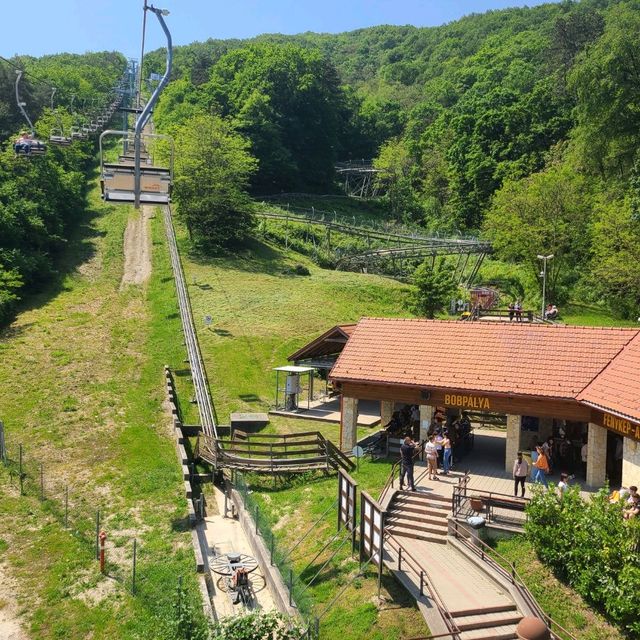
column 584, row 379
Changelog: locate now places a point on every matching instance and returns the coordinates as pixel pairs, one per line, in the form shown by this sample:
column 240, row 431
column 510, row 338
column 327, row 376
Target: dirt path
column 10, row 628
column 137, row 249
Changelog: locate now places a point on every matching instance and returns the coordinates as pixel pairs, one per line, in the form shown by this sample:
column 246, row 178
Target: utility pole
column 144, row 29
column 543, row 275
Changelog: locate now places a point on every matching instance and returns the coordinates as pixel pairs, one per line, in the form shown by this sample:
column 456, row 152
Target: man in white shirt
column 520, row 472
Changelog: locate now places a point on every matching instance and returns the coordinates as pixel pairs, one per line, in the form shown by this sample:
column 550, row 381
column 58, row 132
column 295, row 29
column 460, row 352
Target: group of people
column 630, row 502
column 551, row 312
column 444, row 444
column 433, row 451
column 541, row 468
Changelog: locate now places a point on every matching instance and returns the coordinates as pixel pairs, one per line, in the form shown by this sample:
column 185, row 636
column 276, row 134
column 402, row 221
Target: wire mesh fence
column 332, row 552
column 99, row 530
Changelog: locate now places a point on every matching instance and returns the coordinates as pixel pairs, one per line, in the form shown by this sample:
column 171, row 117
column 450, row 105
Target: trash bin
column 476, row 523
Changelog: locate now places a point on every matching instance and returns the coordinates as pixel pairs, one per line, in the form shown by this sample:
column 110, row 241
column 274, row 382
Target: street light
column 543, row 275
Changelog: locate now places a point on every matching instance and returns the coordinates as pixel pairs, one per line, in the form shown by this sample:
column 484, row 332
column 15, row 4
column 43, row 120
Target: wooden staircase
column 418, row 515
column 489, row 623
column 417, row 521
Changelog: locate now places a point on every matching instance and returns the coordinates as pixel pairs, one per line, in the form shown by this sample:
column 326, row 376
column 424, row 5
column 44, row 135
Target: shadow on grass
column 79, row 249
column 255, row 256
column 250, row 397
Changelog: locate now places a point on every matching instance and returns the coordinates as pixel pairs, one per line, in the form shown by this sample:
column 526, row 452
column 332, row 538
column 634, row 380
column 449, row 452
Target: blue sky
column 51, row 26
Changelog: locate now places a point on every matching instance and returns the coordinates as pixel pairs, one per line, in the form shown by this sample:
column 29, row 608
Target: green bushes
column 256, row 626
column 590, row 546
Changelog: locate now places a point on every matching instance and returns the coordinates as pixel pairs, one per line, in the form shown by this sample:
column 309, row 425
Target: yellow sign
column 621, row 426
column 466, row 402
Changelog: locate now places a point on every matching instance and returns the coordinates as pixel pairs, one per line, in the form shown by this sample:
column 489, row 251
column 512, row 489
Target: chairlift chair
column 27, row 145
column 57, row 137
column 118, row 179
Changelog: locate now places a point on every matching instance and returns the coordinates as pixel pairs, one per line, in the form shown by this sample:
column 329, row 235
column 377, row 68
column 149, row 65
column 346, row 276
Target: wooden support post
column 98, row 534
column 20, row 470
column 3, row 447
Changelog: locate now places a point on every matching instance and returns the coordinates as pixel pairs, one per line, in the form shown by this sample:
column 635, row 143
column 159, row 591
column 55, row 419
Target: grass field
column 82, row 390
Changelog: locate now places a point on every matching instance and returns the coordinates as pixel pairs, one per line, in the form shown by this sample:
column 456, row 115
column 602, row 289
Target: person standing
column 563, row 485
column 407, row 451
column 520, row 473
column 541, row 467
column 517, row 307
column 446, row 456
column 583, row 456
column 431, row 453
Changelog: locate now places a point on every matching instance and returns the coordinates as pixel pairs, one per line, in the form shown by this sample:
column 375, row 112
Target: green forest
column 42, row 198
column 518, row 125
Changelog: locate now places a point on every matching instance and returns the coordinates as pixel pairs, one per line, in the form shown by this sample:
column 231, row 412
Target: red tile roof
column 617, row 388
column 493, row 357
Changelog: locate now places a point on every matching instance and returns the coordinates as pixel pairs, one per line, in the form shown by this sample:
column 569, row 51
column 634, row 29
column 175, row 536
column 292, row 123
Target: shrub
column 257, row 626
column 588, row 544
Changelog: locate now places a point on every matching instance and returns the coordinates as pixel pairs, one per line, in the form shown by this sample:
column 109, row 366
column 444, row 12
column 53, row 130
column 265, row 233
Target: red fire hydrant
column 103, row 539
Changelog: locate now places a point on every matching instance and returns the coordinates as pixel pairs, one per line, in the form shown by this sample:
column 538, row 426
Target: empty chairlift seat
column 118, row 184
column 57, row 137
column 118, row 178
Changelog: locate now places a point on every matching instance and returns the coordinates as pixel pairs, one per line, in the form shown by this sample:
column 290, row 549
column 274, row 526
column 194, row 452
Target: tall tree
column 433, row 288
column 546, row 213
column 287, row 100
column 213, row 170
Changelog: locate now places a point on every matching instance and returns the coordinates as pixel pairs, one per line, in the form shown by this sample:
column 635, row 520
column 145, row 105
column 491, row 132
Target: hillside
column 535, row 105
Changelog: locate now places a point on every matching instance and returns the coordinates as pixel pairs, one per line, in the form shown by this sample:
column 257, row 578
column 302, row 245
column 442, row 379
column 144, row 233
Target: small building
column 322, row 353
column 582, row 380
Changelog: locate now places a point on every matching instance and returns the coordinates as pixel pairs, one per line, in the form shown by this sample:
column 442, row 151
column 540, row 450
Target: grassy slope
column 82, row 389
column 260, row 317
column 559, row 601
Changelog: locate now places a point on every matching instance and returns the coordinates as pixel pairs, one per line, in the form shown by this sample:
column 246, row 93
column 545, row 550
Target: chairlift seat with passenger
column 30, row 147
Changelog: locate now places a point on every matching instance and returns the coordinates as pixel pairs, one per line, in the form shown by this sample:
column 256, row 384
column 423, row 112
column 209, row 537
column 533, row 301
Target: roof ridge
column 609, row 364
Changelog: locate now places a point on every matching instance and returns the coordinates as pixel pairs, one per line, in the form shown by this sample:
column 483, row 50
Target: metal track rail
column 206, row 408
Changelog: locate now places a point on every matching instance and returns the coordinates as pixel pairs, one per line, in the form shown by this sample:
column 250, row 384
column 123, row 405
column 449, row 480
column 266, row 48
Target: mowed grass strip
column 82, row 390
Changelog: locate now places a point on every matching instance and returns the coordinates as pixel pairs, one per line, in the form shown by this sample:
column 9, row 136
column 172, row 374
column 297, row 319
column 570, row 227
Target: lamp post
column 543, row 275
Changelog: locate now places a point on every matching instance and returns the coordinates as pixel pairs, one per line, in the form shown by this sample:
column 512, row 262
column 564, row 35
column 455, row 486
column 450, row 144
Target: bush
column 258, row 626
column 590, row 546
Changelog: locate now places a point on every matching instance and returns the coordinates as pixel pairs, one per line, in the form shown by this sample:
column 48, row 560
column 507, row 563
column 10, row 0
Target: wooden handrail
column 514, row 576
column 433, row 592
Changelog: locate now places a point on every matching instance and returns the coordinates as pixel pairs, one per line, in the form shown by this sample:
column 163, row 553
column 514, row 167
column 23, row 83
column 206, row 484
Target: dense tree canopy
column 213, row 170
column 41, row 198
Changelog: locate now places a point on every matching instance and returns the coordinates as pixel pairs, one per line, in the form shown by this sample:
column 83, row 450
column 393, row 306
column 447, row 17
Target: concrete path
column 224, row 535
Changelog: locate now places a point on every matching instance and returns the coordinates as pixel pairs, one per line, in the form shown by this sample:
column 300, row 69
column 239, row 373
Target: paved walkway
column 329, row 411
column 224, row 535
column 460, row 583
column 485, row 464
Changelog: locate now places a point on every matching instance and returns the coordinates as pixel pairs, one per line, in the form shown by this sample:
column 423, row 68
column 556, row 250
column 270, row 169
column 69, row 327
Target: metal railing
column 507, row 570
column 424, row 582
column 461, row 498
